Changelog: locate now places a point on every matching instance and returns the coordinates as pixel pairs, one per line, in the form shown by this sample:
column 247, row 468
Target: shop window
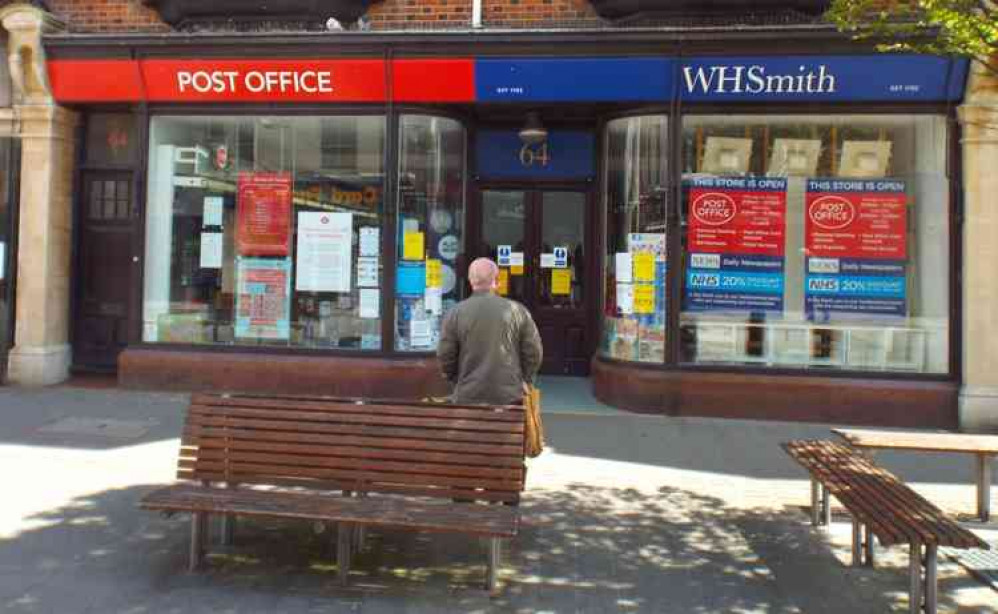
column 429, row 270
column 251, row 239
column 111, row 139
column 816, row 242
column 634, row 312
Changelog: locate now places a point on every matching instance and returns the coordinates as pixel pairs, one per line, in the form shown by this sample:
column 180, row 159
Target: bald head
column 483, row 275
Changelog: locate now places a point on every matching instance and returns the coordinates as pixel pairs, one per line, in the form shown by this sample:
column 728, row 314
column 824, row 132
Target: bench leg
column 868, row 546
column 984, row 487
column 915, row 578
column 492, row 571
column 343, row 552
column 826, row 506
column 199, row 526
column 857, row 543
column 815, row 502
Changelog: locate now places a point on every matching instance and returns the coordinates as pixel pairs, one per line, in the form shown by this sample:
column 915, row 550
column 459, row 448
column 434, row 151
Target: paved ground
column 623, row 513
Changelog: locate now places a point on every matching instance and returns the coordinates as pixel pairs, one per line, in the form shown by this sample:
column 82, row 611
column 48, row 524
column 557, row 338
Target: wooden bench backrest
column 399, row 447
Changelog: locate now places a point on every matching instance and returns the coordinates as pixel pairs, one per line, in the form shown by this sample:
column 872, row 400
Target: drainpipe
column 476, row 13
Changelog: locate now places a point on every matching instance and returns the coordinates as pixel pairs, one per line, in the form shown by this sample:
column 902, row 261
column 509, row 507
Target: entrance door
column 550, row 229
column 103, row 271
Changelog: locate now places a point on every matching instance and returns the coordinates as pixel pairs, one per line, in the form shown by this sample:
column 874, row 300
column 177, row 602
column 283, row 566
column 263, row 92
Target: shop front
column 702, row 233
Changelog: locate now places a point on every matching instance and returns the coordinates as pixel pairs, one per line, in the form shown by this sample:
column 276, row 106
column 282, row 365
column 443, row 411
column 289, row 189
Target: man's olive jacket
column 489, row 347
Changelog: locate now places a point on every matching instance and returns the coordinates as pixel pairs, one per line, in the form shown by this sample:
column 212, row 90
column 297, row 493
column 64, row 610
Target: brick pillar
column 979, row 119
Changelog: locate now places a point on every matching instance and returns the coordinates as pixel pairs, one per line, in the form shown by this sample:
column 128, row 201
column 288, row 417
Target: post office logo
column 831, row 212
column 714, row 209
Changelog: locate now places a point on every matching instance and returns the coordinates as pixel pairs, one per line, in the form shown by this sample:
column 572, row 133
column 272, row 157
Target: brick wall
column 107, row 16
column 132, row 16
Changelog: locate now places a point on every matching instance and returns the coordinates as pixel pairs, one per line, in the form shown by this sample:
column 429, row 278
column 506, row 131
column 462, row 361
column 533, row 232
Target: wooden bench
column 881, row 505
column 408, row 465
column 983, row 447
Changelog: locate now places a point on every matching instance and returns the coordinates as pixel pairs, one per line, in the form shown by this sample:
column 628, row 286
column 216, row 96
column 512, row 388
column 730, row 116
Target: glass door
column 539, row 240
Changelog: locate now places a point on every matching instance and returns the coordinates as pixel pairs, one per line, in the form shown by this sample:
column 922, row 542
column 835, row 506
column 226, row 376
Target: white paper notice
column 211, row 250
column 370, row 241
column 547, row 261
column 3, row 259
column 367, row 272
column 433, row 301
column 370, row 303
column 212, row 211
column 419, row 333
column 625, row 298
column 324, row 249
column 624, row 267
column 516, row 259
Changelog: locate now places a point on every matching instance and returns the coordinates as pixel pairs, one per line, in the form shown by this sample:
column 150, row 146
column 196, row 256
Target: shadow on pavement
column 581, row 549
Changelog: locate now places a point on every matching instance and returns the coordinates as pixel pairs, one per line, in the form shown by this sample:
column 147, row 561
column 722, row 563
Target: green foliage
column 967, row 28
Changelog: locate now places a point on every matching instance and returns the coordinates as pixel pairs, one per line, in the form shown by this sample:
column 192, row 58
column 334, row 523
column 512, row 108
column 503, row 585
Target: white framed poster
column 325, row 242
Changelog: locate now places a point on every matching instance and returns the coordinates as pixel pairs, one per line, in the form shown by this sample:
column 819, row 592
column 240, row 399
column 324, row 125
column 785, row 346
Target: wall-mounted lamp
column 533, row 131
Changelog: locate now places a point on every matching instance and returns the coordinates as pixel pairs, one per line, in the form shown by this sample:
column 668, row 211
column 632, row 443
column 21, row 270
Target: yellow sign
column 516, row 269
column 412, row 246
column 503, row 282
column 644, row 298
column 561, row 282
column 644, row 266
column 434, row 276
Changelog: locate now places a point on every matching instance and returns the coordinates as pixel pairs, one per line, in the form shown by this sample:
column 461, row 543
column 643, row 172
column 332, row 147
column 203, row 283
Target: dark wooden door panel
column 104, row 268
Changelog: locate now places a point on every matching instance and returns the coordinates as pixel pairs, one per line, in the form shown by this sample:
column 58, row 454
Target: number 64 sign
column 537, row 154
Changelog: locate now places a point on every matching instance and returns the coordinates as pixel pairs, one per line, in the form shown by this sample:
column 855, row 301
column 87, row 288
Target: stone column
column 979, row 118
column 41, row 353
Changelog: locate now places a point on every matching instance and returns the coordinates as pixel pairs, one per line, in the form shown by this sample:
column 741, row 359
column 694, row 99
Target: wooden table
column 984, row 447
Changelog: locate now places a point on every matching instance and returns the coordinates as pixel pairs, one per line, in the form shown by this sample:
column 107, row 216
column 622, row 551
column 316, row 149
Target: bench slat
column 453, row 469
column 483, row 520
column 247, row 471
column 193, row 436
column 291, row 400
column 481, row 413
column 259, row 445
column 358, row 416
column 920, row 441
column 371, row 430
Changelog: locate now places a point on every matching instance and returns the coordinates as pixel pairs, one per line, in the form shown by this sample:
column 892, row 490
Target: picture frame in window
column 726, row 156
column 864, row 159
column 794, row 157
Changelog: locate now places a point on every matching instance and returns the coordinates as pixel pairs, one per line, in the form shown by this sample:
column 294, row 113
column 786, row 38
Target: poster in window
column 855, row 239
column 263, row 214
column 325, row 246
column 735, row 244
column 263, row 298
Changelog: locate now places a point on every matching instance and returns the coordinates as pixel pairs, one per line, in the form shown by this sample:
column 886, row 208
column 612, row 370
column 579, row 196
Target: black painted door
column 103, row 272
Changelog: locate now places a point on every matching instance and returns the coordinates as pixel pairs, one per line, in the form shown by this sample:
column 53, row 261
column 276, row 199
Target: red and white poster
column 263, row 218
column 737, row 216
column 857, row 219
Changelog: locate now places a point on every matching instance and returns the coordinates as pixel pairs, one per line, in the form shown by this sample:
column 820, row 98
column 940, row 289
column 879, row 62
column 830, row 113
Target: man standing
column 489, row 346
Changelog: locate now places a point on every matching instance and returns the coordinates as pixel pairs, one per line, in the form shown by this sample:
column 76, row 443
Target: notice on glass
column 370, row 303
column 211, row 250
column 324, row 250
column 3, row 260
column 647, row 242
column 413, row 246
column 420, row 333
column 624, row 265
column 410, row 279
column 561, row 282
column 644, row 298
column 263, row 214
column 644, row 267
column 434, row 273
column 212, row 211
column 263, row 298
column 367, row 272
column 625, row 299
column 503, row 253
column 503, row 282
column 370, row 241
column 433, row 301
column 547, row 261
